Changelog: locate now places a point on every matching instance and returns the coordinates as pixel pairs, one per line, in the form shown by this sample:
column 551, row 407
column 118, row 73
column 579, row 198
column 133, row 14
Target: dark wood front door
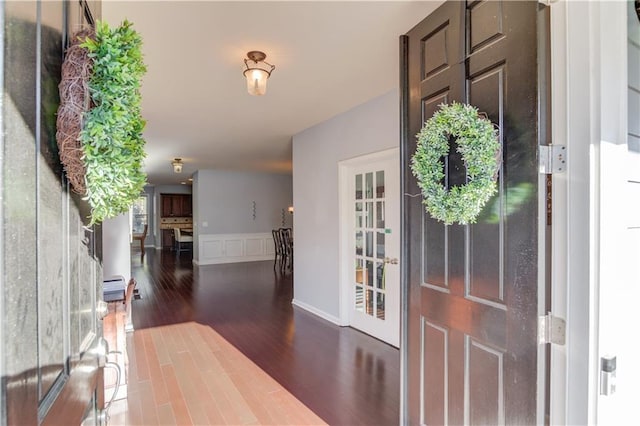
column 50, row 272
column 473, row 291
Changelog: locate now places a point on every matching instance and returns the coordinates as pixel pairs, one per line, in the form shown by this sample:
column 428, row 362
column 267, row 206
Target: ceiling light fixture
column 257, row 72
column 177, row 165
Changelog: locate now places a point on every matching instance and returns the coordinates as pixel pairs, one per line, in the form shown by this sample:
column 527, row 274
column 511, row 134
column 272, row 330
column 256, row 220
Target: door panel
column 76, row 234
column 473, row 290
column 486, row 280
column 19, row 272
column 50, row 214
column 51, row 288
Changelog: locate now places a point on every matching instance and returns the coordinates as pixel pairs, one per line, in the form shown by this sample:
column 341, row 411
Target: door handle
column 392, row 261
column 101, row 351
column 96, row 417
column 102, row 309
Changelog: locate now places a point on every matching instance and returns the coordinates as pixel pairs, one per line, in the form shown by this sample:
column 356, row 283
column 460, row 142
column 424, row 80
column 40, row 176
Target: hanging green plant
column 113, row 147
column 478, row 144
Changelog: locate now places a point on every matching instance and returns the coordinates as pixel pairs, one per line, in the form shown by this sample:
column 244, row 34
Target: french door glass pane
column 369, row 277
column 380, row 245
column 358, row 187
column 359, row 298
column 380, row 214
column 380, row 307
column 369, row 243
column 369, row 213
column 359, row 243
column 359, row 221
column 359, row 266
column 369, row 185
column 380, row 184
column 369, row 302
column 380, row 275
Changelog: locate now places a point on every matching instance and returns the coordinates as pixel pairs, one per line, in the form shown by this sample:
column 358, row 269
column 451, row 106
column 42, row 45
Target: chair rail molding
column 231, row 248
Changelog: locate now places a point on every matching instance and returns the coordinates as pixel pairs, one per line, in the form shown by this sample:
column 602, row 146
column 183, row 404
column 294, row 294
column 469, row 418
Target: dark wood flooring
column 344, row 376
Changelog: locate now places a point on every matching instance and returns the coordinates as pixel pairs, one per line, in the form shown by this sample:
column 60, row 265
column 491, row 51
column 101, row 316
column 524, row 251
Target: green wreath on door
column 477, row 140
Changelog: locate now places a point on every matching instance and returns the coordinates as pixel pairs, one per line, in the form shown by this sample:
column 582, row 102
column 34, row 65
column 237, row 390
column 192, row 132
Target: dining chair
column 279, row 249
column 287, row 246
column 141, row 238
column 180, row 239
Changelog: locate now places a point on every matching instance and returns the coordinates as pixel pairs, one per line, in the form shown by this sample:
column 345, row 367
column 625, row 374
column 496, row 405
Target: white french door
column 371, row 243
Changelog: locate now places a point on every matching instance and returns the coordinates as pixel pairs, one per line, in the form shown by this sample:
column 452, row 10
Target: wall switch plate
column 205, row 224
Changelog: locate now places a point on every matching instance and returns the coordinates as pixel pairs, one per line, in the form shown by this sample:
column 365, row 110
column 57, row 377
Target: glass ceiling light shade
column 177, row 165
column 257, row 72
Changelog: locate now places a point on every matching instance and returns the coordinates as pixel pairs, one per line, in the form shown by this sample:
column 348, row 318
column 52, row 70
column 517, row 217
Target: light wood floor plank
column 188, row 374
column 147, row 404
column 161, row 346
column 165, row 415
column 160, row 393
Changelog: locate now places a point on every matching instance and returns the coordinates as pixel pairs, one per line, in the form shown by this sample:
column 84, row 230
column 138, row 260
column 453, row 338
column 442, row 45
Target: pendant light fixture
column 257, row 72
column 177, row 165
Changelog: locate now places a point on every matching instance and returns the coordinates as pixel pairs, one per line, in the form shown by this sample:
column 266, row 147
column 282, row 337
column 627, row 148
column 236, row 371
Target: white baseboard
column 317, row 312
column 137, row 245
column 234, row 260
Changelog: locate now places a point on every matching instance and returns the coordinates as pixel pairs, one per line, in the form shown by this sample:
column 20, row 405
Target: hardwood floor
column 344, row 376
column 187, row 374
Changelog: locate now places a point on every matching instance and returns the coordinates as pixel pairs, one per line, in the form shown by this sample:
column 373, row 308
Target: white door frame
column 571, row 386
column 589, row 110
column 345, row 211
column 559, row 233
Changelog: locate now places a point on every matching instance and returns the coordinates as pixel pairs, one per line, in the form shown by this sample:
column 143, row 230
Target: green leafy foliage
column 478, row 144
column 112, row 132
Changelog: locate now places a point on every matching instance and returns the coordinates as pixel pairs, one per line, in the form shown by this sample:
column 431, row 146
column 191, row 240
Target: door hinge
column 552, row 158
column 551, row 330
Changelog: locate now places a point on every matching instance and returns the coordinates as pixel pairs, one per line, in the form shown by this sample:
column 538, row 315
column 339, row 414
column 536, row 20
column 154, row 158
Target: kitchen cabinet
column 186, row 206
column 176, row 205
column 166, row 205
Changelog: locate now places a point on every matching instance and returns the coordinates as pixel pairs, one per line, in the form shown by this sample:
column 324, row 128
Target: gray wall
column 370, row 127
column 223, row 201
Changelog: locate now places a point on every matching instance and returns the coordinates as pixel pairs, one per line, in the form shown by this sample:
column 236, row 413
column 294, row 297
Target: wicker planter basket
column 74, row 102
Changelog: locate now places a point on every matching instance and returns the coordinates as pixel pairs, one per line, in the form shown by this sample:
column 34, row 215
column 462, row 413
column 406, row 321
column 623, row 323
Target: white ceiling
column 329, row 57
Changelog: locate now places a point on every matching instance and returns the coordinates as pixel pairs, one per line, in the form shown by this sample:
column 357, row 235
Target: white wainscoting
column 231, row 248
